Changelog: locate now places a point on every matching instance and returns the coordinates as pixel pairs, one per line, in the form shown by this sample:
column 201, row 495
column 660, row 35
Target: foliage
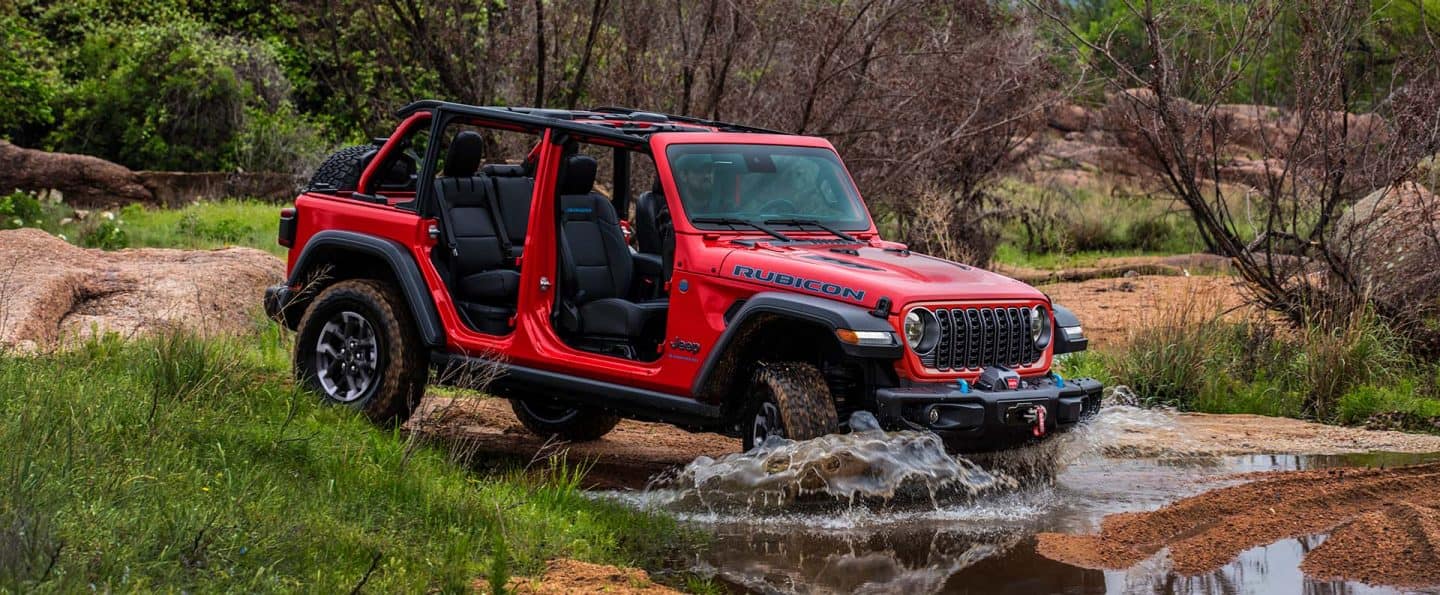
column 177, row 463
column 1197, row 28
column 1056, row 223
column 20, row 209
column 1191, row 356
column 28, row 80
column 166, row 96
column 106, row 232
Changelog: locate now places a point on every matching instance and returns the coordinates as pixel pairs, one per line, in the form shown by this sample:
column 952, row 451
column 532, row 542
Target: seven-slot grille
column 972, row 338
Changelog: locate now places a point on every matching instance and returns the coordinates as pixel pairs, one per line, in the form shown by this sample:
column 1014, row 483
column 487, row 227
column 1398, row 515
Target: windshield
column 765, row 183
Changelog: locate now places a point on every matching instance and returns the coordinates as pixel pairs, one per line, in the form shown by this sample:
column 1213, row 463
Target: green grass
column 1348, row 371
column 182, row 464
column 203, row 225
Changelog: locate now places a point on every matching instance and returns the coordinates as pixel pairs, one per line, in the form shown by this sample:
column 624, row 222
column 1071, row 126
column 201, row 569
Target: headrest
column 579, row 175
column 502, row 170
column 463, row 158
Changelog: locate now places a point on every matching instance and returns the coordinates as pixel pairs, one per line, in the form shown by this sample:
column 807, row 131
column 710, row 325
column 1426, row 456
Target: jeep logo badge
column 690, row 347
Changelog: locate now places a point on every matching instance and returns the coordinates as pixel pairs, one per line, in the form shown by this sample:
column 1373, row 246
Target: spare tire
column 341, row 171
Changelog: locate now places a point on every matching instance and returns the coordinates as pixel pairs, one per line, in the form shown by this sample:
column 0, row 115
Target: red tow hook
column 1039, row 414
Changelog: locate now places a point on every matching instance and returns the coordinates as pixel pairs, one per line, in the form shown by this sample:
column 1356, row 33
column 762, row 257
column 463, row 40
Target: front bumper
column 969, row 419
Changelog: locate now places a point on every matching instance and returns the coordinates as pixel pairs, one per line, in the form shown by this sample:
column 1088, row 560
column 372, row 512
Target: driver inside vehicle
column 762, row 183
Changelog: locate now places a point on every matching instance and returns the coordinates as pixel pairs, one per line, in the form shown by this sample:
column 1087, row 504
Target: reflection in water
column 917, row 559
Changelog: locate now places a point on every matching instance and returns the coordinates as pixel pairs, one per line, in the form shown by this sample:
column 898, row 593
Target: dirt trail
column 1110, row 309
column 52, row 291
column 1207, row 434
column 626, row 457
column 1205, row 532
column 635, row 451
column 563, row 576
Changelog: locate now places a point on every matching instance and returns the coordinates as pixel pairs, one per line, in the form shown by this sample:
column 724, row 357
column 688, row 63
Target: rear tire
column 356, row 347
column 341, row 170
column 569, row 423
column 789, row 399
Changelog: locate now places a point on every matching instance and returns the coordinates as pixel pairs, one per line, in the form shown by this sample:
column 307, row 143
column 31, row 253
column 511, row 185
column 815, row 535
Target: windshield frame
column 862, row 224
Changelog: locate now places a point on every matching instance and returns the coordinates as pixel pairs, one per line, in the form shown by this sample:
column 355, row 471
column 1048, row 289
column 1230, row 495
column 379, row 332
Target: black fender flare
column 401, row 263
column 823, row 312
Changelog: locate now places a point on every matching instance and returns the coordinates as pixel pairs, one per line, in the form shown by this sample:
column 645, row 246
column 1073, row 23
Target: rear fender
column 334, row 254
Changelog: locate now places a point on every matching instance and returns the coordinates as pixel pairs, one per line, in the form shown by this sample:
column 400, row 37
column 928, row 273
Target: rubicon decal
column 783, row 280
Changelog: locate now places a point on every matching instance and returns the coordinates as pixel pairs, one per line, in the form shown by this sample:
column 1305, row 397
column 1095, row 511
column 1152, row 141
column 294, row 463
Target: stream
column 888, row 512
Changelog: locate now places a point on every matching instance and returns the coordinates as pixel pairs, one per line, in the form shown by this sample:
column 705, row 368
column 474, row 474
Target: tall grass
column 1192, row 356
column 177, row 463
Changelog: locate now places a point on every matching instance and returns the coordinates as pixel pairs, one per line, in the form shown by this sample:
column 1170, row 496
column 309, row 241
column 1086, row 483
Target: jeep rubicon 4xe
column 749, row 293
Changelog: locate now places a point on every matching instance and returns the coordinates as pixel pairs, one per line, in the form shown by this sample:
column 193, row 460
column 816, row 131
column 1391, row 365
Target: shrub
column 176, row 96
column 107, row 233
column 1150, row 234
column 28, row 81
column 20, row 209
column 1193, row 358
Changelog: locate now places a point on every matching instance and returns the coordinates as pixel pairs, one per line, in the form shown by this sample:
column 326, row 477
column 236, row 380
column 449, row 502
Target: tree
column 1277, row 213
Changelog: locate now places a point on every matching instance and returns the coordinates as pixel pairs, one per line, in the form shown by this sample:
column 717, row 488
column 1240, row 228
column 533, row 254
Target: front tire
column 790, row 400
column 355, row 348
column 569, row 423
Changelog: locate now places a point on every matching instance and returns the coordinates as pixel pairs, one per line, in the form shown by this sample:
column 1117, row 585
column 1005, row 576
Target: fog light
column 934, row 415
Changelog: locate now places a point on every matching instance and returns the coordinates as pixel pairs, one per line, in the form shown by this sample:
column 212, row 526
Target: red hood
column 866, row 274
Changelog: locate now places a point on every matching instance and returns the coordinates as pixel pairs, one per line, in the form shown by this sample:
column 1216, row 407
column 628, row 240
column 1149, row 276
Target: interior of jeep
column 611, row 295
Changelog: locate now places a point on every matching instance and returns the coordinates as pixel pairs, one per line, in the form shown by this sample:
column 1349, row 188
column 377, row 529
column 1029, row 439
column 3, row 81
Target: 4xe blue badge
column 812, row 285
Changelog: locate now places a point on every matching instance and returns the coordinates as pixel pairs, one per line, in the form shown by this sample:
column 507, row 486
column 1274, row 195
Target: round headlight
column 1040, row 327
column 914, row 329
column 922, row 330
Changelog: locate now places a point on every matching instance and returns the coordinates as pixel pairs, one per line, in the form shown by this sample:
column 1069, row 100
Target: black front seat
column 597, row 263
column 654, row 231
column 482, row 285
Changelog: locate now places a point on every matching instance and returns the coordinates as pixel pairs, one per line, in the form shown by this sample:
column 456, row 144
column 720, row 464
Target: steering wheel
column 772, row 207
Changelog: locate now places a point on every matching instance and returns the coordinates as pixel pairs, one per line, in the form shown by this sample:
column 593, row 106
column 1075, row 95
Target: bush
column 176, row 96
column 20, row 209
column 1193, row 358
column 28, row 81
column 1150, row 234
column 106, row 233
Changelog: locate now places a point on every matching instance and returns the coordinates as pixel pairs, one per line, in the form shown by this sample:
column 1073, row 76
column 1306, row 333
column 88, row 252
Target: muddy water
column 932, row 524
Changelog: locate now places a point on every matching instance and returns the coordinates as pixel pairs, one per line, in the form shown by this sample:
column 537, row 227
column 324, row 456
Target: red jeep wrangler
column 754, row 297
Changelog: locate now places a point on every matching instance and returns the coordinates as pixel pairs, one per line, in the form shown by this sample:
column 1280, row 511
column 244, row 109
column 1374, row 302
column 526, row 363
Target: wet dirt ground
column 985, row 540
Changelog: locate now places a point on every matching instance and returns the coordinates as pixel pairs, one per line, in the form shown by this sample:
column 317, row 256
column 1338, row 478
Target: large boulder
column 53, row 293
column 1391, row 243
column 1068, row 118
column 82, row 180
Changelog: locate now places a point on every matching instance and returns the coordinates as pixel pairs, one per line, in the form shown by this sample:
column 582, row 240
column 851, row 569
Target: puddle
column 815, row 517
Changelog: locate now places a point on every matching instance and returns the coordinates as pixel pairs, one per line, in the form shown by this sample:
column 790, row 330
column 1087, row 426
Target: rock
column 1391, row 242
column 52, row 292
column 84, row 180
column 1068, row 118
column 1256, row 173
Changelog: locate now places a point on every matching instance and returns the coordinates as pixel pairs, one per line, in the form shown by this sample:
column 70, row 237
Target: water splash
column 867, row 464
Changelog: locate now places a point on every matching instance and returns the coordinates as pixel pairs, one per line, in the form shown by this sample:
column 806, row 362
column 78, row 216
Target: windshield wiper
column 813, row 223
column 733, row 221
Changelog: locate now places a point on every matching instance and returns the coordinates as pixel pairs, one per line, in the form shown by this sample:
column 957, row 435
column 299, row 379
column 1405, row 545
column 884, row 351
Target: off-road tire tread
column 403, row 379
column 800, row 393
column 588, row 425
column 341, row 170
